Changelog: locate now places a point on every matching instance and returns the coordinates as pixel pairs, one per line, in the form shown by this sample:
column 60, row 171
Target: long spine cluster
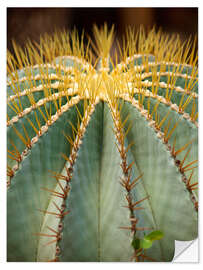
column 65, row 180
column 165, row 136
column 127, row 181
column 160, row 56
column 31, row 141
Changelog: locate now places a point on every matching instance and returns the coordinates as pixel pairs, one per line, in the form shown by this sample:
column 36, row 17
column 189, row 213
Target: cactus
column 102, row 153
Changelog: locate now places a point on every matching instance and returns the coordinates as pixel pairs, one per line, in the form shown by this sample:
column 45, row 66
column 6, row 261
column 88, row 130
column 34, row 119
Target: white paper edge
column 186, row 251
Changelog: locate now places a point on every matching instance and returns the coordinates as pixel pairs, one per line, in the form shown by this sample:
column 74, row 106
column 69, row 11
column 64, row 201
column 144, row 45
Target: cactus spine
column 102, row 156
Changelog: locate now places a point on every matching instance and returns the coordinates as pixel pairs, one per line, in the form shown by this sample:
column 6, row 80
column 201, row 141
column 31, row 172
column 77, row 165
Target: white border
column 187, row 251
column 76, row 3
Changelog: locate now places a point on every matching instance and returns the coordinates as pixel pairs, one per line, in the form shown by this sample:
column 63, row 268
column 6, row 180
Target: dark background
column 23, row 23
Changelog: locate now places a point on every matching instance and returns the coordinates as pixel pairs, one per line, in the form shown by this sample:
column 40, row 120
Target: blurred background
column 23, row 23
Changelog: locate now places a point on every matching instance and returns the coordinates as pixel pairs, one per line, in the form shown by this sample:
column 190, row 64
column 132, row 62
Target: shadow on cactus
column 102, row 156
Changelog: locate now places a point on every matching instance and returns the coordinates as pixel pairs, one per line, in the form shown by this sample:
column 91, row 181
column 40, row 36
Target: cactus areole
column 102, row 153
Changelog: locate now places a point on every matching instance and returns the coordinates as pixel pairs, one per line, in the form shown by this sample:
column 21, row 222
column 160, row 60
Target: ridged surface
column 91, row 229
column 25, row 195
column 169, row 199
column 99, row 226
column 185, row 132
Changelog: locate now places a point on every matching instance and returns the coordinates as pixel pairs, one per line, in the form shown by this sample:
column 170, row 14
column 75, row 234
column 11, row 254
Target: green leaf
column 147, row 241
column 155, row 235
column 141, row 243
column 144, row 243
column 136, row 243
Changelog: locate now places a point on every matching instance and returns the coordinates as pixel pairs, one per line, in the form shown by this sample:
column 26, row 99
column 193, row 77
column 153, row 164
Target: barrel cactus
column 102, row 153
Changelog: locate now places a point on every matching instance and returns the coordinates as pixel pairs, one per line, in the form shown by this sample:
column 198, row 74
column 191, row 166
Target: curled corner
column 186, row 251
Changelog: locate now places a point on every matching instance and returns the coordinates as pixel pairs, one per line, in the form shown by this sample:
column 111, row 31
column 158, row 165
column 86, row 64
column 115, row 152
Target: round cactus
column 102, row 156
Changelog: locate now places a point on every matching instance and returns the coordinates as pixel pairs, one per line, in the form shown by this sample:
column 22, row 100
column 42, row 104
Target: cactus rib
column 65, row 186
column 126, row 182
column 165, row 138
column 102, row 155
column 40, row 132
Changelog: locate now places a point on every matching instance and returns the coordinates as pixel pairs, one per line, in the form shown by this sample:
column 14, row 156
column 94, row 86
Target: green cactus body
column 102, row 159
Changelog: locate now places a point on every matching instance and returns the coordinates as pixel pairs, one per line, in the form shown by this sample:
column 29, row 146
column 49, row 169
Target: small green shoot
column 147, row 241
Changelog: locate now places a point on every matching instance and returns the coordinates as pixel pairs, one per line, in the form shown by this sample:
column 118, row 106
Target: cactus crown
column 62, row 105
